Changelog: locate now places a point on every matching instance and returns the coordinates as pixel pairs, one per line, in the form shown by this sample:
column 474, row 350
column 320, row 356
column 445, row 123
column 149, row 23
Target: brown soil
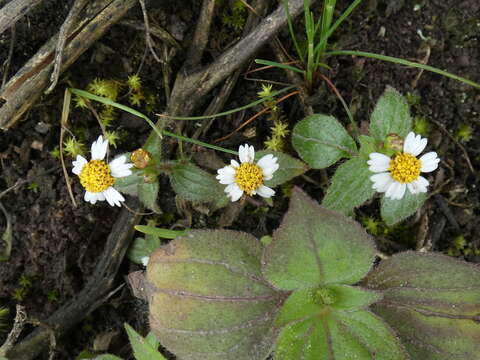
column 56, row 246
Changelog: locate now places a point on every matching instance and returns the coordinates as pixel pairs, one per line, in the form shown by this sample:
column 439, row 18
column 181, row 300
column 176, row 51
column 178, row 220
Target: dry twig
column 62, row 39
column 14, row 11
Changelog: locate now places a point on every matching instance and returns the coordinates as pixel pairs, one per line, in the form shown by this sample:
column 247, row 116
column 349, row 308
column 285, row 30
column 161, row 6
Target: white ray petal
column 381, row 181
column 113, row 197
column 409, row 142
column 429, row 161
column 90, row 197
column 78, row 164
column 120, row 168
column 99, row 148
column 265, row 191
column 234, row 192
column 243, row 153
column 378, row 162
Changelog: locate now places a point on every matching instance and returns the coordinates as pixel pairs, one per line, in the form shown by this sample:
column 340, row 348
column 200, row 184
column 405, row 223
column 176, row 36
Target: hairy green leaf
column 433, row 303
column 148, row 193
column 321, row 141
column 339, row 335
column 195, row 184
column 390, row 116
column 142, row 349
column 135, row 185
column 351, row 186
column 143, row 247
column 289, row 167
column 394, row 211
column 315, row 246
column 208, row 298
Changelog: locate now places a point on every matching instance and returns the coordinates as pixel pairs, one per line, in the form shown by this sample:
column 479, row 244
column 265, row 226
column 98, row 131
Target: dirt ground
column 56, row 246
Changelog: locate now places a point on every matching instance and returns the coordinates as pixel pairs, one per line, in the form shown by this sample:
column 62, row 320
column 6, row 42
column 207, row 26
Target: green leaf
column 432, row 302
column 103, row 357
column 152, row 340
column 315, row 246
column 351, row 186
column 143, row 247
column 154, row 147
column 394, row 211
column 390, row 116
column 208, row 299
column 135, row 185
column 313, row 302
column 195, row 184
column 350, row 298
column 302, row 340
column 367, row 145
column 289, row 167
column 339, row 335
column 163, row 233
column 129, row 184
column 300, row 305
column 321, row 141
column 142, row 349
column 148, row 193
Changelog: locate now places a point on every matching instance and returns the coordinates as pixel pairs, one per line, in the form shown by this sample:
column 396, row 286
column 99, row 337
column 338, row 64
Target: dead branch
column 191, row 87
column 86, row 301
column 62, row 39
column 200, row 38
column 148, row 38
column 218, row 102
column 14, row 10
column 155, row 30
column 23, row 89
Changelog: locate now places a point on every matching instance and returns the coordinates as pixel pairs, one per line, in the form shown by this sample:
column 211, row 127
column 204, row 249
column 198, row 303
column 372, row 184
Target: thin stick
column 148, row 38
column 200, row 38
column 14, row 11
column 20, row 319
column 65, row 111
column 254, row 117
column 62, row 39
column 465, row 154
column 7, row 62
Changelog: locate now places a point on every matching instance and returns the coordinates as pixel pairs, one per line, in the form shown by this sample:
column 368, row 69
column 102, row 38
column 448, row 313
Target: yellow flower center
column 404, row 168
column 95, row 176
column 249, row 177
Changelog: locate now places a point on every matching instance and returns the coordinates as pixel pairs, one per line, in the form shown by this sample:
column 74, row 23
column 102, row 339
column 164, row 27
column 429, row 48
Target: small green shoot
column 464, row 133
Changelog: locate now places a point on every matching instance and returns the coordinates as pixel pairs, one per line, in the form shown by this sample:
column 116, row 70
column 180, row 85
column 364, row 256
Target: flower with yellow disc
column 402, row 171
column 248, row 177
column 98, row 177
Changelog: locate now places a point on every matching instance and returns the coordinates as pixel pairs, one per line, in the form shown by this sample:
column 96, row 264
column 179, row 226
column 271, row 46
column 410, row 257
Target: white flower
column 145, row 260
column 402, row 171
column 98, row 177
column 248, row 177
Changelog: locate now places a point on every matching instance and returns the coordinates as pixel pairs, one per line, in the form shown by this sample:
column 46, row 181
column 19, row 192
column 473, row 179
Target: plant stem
column 404, row 62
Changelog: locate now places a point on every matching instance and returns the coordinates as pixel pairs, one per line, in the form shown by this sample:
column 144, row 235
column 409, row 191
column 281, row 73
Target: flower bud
column 140, row 158
column 393, row 142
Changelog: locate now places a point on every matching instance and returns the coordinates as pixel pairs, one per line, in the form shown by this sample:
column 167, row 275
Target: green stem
column 403, row 62
column 158, row 131
column 197, row 142
column 292, row 33
column 322, row 44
